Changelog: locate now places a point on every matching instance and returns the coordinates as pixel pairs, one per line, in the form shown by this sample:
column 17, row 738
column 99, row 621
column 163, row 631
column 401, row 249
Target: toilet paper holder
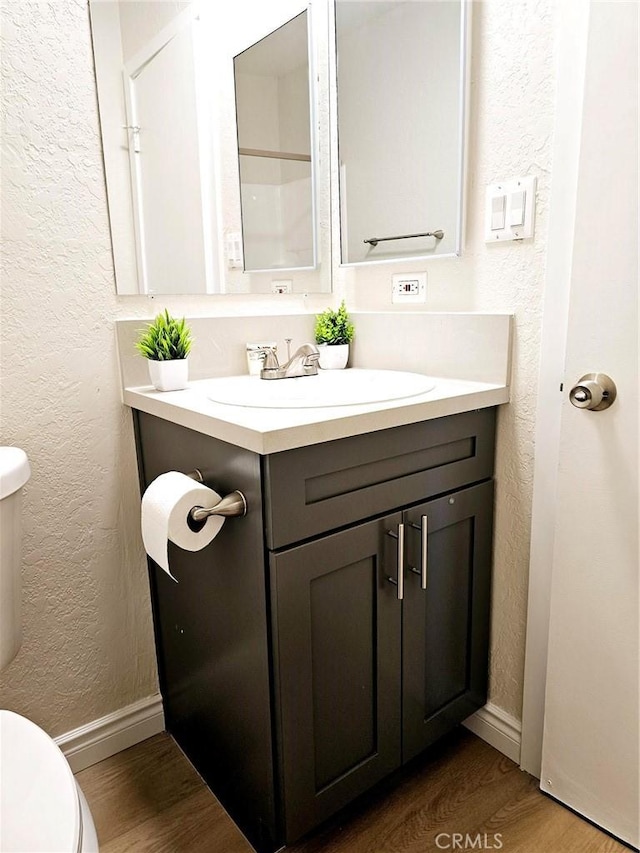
column 232, row 505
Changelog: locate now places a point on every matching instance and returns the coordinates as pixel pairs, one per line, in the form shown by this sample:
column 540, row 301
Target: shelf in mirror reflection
column 274, row 155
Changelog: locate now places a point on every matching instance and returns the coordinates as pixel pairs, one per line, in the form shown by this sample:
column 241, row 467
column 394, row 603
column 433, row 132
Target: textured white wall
column 512, row 134
column 88, row 646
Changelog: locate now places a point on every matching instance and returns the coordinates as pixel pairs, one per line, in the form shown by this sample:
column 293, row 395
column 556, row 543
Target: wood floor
column 149, row 798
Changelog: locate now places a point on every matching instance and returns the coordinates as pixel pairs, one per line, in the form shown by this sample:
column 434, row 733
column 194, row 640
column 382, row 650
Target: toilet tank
column 14, row 473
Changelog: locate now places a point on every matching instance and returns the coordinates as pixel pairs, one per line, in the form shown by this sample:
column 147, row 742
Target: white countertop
column 272, row 430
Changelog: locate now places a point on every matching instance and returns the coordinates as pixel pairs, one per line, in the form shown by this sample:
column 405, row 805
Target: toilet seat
column 39, row 800
column 14, row 470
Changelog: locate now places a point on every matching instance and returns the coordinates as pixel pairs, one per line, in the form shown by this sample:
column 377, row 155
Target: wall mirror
column 169, row 77
column 401, row 77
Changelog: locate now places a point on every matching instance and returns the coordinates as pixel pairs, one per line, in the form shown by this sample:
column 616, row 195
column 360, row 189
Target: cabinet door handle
column 423, row 527
column 424, row 532
column 399, row 581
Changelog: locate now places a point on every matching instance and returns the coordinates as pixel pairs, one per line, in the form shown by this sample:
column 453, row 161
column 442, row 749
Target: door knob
column 593, row 391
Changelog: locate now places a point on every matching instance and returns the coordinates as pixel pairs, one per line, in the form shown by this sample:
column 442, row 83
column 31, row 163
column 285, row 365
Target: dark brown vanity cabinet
column 367, row 681
column 292, row 674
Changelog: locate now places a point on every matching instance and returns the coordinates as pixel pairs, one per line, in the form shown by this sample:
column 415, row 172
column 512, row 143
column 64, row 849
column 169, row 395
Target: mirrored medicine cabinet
column 226, row 133
column 401, row 98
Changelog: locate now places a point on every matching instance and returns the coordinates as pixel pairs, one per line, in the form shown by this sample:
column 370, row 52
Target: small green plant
column 165, row 339
column 334, row 327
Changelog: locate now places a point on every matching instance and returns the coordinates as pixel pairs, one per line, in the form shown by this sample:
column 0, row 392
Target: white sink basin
column 350, row 387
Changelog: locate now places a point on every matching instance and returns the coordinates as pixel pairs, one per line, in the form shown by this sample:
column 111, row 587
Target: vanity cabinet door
column 445, row 628
column 336, row 629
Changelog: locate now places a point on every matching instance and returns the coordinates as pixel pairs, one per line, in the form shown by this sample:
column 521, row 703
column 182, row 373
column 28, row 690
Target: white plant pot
column 333, row 356
column 169, row 375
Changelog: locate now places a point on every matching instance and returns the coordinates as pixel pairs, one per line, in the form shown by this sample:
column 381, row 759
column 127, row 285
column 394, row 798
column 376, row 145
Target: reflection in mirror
column 165, row 80
column 273, row 114
column 401, row 80
column 157, row 165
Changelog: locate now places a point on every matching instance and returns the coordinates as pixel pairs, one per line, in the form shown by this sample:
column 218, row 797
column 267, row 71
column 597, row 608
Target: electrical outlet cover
column 409, row 287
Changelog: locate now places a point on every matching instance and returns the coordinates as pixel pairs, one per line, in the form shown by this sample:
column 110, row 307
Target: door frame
column 573, row 30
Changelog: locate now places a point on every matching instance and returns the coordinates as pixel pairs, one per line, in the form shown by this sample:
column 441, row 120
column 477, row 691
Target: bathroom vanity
column 301, row 657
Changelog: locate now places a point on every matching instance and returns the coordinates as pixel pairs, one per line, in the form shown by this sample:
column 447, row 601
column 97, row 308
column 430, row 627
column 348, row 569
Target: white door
column 591, row 721
column 164, row 145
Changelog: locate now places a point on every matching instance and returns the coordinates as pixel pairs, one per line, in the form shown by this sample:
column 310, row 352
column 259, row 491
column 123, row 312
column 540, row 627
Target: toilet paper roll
column 165, row 509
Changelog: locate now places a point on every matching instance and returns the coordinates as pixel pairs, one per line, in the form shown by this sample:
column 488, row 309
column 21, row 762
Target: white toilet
column 41, row 806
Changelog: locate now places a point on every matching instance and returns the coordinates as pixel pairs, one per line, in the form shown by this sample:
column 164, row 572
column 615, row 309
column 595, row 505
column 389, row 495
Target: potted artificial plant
column 166, row 343
column 334, row 332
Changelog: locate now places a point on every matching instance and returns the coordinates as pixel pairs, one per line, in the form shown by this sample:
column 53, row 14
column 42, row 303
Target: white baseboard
column 497, row 728
column 102, row 738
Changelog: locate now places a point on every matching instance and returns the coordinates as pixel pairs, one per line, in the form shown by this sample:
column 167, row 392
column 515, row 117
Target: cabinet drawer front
column 314, row 489
column 336, row 627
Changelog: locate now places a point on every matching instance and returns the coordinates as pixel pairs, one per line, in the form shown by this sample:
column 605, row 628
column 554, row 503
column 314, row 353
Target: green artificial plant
column 165, row 339
column 334, row 327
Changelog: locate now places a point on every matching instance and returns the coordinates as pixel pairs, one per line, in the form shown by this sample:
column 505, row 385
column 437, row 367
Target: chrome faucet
column 304, row 362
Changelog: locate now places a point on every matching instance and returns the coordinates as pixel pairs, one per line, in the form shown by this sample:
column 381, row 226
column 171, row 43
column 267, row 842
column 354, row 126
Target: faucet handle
column 271, row 359
column 310, row 360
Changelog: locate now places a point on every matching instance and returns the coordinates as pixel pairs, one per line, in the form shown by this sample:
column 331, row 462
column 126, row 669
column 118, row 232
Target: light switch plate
column 516, row 192
column 409, row 287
